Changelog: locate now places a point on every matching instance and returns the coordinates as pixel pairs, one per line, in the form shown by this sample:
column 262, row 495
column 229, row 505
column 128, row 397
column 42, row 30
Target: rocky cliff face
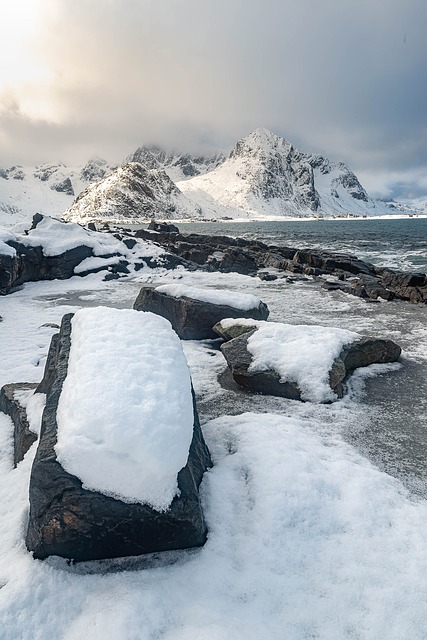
column 178, row 166
column 131, row 193
column 266, row 175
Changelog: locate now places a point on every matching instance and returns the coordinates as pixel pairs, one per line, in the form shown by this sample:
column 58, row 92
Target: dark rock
column 359, row 353
column 192, row 319
column 366, row 351
column 50, row 368
column 266, row 277
column 163, row 227
column 64, row 186
column 237, row 329
column 406, row 286
column 23, row 438
column 129, row 242
column 266, row 382
column 9, row 269
column 72, row 522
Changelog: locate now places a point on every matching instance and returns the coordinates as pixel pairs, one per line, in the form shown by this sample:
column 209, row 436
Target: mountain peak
column 262, row 142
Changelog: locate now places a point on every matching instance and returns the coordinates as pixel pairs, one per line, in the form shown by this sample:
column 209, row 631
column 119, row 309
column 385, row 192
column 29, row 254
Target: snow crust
column 303, row 354
column 243, row 301
column 125, row 414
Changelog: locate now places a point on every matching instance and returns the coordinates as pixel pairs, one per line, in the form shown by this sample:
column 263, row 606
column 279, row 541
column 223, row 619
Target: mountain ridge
column 263, row 176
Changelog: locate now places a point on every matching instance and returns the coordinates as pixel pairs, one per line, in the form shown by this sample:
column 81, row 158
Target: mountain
column 178, row 166
column 265, row 175
column 51, row 188
column 131, row 193
column 48, row 188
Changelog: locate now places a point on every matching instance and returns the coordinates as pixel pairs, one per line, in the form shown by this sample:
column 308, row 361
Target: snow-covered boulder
column 121, row 452
column 53, row 249
column 301, row 362
column 230, row 328
column 193, row 312
column 12, row 404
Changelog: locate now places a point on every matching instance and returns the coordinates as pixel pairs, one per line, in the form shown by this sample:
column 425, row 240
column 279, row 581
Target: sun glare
column 23, row 74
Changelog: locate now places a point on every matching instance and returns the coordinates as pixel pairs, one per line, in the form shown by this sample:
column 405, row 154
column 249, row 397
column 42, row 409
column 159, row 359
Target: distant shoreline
column 269, row 219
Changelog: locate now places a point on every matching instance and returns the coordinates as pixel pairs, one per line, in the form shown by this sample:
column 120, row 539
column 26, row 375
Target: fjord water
column 398, row 242
column 387, row 423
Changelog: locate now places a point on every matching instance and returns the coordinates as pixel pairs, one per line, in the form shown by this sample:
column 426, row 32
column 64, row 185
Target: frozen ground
column 316, row 513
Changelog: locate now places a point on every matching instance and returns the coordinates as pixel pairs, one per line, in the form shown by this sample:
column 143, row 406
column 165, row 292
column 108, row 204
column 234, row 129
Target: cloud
column 345, row 79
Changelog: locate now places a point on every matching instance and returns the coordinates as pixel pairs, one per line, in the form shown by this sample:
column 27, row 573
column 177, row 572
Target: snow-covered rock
column 301, row 362
column 12, row 402
column 52, row 249
column 129, row 194
column 266, row 175
column 121, row 453
column 193, row 311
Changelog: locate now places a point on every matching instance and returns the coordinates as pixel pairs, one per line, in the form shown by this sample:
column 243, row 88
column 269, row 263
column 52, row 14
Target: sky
column 344, row 78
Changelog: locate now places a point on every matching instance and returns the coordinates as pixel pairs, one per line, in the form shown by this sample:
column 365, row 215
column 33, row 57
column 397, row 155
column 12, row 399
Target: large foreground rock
column 360, row 353
column 193, row 319
column 72, row 522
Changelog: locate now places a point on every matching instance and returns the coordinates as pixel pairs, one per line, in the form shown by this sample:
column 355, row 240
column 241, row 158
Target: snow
column 89, row 264
column 243, row 301
column 56, row 237
column 125, row 413
column 307, row 538
column 36, row 192
column 5, row 249
column 266, row 163
column 303, row 354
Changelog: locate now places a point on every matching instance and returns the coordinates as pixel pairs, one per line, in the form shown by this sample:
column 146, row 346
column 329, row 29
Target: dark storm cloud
column 347, row 79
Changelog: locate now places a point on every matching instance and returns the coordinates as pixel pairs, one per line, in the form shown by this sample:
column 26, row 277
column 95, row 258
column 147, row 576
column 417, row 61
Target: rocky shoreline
column 251, row 257
column 336, row 271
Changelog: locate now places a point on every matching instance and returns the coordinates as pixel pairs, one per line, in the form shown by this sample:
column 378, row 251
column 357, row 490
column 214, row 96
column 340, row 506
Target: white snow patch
column 95, row 263
column 5, row 249
column 243, row 301
column 34, row 407
column 125, row 414
column 302, row 354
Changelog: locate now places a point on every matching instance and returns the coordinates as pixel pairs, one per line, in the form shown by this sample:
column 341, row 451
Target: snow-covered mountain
column 131, row 193
column 178, row 166
column 266, row 175
column 263, row 176
column 48, row 188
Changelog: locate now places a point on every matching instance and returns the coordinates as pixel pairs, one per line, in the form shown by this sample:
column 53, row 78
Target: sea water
column 398, row 242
